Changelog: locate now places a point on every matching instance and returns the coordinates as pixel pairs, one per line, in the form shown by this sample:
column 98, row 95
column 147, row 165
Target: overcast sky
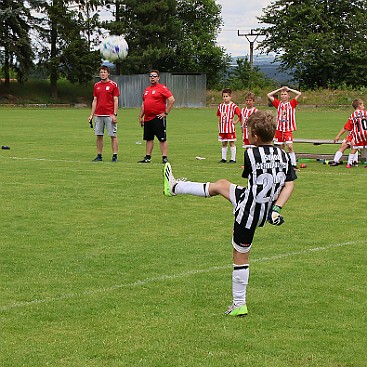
column 239, row 15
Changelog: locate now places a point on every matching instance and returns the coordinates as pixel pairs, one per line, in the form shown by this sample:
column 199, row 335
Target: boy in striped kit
column 286, row 118
column 270, row 177
column 246, row 112
column 357, row 125
column 226, row 122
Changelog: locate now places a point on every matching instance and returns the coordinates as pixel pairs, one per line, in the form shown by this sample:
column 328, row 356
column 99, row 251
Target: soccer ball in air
column 114, row 48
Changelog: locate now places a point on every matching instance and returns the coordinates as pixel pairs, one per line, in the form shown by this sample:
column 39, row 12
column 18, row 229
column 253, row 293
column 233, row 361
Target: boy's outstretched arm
column 341, row 132
column 285, row 194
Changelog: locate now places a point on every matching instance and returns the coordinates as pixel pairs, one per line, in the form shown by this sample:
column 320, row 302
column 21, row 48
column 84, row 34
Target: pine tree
column 66, row 47
column 17, row 54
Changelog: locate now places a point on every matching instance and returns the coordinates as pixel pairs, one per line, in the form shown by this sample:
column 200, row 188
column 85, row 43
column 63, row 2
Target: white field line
column 40, row 159
column 332, row 172
column 162, row 278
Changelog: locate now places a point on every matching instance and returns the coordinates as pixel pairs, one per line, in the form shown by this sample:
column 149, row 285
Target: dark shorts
column 243, row 236
column 246, row 219
column 155, row 127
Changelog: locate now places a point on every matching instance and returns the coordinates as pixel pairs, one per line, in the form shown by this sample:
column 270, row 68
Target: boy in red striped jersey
column 344, row 146
column 246, row 112
column 226, row 122
column 286, row 118
column 357, row 125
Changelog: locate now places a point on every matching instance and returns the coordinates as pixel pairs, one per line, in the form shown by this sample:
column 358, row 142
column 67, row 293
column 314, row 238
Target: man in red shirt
column 157, row 103
column 104, row 108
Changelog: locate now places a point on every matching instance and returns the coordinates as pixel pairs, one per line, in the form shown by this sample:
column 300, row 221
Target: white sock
column 233, row 153
column 192, row 188
column 240, row 277
column 355, row 158
column 337, row 156
column 293, row 159
column 350, row 158
column 224, row 153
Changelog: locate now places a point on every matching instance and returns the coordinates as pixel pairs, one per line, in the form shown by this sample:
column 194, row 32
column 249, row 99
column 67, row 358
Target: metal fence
column 189, row 90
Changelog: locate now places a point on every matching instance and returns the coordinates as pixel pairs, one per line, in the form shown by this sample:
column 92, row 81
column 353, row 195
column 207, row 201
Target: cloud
column 239, row 15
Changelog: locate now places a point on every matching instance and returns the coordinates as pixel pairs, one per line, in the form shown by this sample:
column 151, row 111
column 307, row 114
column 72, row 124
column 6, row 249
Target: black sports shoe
column 114, row 158
column 145, row 160
column 232, row 161
column 223, row 161
column 164, row 160
column 97, row 159
column 334, row 164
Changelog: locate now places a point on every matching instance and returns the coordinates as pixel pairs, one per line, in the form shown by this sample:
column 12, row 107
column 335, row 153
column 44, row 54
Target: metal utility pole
column 251, row 38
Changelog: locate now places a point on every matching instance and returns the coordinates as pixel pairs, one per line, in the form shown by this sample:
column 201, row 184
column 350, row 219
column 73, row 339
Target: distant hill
column 267, row 66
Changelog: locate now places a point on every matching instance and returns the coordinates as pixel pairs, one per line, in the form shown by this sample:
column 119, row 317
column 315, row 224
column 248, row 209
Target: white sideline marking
column 39, row 159
column 162, row 278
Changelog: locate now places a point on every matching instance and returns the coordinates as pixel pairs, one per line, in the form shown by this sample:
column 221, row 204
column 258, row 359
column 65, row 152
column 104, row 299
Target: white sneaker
column 169, row 181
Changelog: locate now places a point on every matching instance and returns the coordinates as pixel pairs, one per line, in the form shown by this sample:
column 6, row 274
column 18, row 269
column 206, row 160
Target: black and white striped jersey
column 267, row 168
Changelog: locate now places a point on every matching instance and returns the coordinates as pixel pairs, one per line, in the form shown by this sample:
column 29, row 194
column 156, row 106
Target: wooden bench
column 326, row 156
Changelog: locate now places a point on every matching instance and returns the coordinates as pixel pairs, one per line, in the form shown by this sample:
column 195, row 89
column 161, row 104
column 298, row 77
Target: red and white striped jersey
column 286, row 114
column 245, row 114
column 357, row 125
column 225, row 115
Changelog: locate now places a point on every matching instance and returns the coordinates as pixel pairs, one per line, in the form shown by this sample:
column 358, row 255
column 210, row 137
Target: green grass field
column 98, row 268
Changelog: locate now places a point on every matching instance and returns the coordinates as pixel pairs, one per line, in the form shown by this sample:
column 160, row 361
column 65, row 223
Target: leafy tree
column 322, row 42
column 170, row 35
column 78, row 64
column 150, row 28
column 16, row 53
column 87, row 14
column 196, row 50
column 246, row 77
column 66, row 51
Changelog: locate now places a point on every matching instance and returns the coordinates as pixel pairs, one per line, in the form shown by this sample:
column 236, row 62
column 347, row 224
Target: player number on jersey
column 271, row 186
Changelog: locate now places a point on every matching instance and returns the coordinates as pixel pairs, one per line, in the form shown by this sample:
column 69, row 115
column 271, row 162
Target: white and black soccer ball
column 114, row 48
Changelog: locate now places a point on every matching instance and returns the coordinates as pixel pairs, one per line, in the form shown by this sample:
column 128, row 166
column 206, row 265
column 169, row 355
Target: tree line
column 60, row 37
column 320, row 42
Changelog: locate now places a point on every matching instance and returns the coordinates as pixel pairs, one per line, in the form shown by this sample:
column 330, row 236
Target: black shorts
column 243, row 236
column 155, row 127
column 247, row 219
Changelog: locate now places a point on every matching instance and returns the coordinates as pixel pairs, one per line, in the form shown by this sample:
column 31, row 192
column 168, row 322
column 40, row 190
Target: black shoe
column 164, row 160
column 334, row 164
column 232, row 161
column 114, row 158
column 145, row 160
column 223, row 161
column 97, row 159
